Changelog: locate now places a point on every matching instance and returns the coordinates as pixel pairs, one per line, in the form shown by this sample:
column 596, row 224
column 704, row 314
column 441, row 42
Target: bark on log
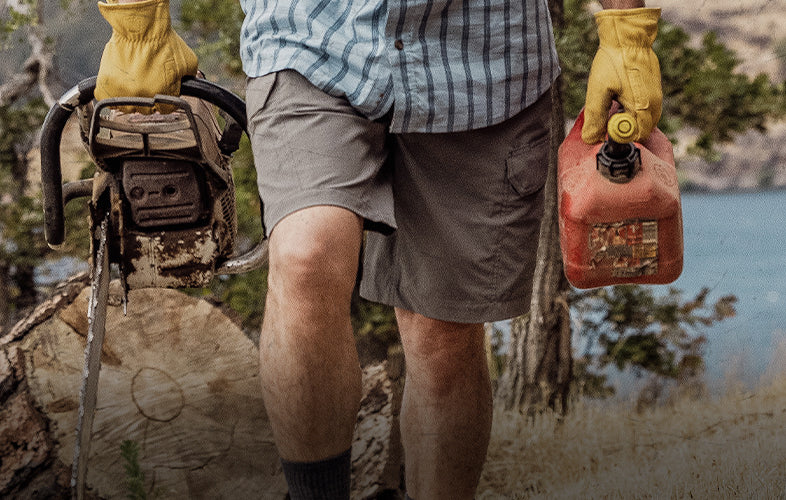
column 377, row 455
column 180, row 379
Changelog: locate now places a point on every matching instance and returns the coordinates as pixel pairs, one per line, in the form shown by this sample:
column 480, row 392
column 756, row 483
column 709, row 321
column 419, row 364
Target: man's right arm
column 144, row 56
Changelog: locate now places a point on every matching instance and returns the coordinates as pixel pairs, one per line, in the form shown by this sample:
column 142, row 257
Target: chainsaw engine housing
column 168, row 188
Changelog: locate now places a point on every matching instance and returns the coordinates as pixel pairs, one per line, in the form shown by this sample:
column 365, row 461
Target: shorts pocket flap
column 527, row 167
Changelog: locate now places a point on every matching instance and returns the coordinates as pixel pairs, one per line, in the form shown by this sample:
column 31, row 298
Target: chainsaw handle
column 51, row 175
column 218, row 96
column 81, row 94
column 51, row 171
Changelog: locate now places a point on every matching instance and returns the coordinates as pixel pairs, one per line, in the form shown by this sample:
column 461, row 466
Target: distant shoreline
column 690, row 188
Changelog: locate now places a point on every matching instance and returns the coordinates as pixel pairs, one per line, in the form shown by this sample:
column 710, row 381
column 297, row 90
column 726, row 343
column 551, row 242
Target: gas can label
column 627, row 248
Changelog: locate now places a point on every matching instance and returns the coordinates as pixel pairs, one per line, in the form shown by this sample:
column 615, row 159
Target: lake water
column 735, row 243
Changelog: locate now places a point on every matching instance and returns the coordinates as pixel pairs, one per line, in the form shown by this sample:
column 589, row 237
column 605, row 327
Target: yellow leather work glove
column 144, row 56
column 626, row 69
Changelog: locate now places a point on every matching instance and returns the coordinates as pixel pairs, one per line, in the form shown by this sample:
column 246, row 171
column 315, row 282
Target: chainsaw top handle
column 83, row 93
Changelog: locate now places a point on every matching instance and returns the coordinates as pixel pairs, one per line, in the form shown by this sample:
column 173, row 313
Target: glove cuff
column 627, row 27
column 146, row 20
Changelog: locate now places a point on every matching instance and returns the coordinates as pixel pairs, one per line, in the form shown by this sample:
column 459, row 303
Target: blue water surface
column 735, row 243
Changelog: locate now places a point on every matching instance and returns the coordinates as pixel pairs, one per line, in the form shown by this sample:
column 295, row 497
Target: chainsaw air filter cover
column 163, row 193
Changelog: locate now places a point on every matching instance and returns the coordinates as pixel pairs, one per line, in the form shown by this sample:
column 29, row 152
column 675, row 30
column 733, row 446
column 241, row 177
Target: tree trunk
column 539, row 362
column 377, row 454
column 180, row 379
column 538, row 365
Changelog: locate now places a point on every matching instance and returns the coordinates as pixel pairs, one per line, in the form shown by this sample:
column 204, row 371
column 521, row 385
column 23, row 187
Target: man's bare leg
column 447, row 409
column 308, row 362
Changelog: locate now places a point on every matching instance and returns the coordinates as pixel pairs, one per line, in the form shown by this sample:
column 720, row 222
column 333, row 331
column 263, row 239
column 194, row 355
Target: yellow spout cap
column 622, row 127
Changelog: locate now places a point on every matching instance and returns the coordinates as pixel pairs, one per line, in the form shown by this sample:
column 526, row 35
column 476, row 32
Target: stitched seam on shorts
column 502, row 205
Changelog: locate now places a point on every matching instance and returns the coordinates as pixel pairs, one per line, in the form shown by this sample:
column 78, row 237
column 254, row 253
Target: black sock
column 326, row 479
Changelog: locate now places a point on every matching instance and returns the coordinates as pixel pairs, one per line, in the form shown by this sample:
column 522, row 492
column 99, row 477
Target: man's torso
column 443, row 66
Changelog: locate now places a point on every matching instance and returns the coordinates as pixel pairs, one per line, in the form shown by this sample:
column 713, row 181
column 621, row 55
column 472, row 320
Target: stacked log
column 180, row 380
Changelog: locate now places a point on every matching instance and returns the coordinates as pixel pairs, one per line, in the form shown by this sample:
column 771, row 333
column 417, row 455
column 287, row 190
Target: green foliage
column 21, row 220
column 12, row 19
column 216, row 26
column 700, row 86
column 587, row 382
column 135, row 478
column 702, row 90
column 243, row 293
column 246, row 193
column 629, row 326
column 577, row 41
column 375, row 329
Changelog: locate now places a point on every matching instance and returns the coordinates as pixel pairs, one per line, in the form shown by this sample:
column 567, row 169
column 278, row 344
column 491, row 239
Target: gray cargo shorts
column 466, row 206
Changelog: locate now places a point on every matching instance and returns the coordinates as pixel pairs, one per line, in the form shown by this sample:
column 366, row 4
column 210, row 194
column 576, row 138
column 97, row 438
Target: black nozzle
column 618, row 162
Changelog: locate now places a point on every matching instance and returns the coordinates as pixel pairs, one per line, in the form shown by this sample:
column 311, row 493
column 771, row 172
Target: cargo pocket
column 526, row 167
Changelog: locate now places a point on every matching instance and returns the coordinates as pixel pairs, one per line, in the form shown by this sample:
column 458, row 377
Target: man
column 426, row 123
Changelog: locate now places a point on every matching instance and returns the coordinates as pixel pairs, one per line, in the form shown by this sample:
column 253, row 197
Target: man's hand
column 144, row 56
column 626, row 69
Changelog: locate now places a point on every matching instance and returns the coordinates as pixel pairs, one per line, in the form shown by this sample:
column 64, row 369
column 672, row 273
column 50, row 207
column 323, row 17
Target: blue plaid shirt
column 448, row 65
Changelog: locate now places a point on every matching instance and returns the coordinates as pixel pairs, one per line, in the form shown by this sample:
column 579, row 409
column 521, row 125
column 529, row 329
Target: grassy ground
column 728, row 447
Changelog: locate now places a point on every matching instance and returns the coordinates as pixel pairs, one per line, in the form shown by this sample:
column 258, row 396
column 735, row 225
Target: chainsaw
column 162, row 204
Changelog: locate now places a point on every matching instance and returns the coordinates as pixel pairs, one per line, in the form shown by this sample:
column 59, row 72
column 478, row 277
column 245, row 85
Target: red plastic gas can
column 616, row 232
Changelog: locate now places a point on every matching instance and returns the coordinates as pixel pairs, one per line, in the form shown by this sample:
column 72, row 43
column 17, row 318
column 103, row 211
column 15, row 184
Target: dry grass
column 730, row 447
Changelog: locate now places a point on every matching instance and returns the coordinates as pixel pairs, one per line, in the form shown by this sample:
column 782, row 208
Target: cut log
column 377, row 455
column 178, row 378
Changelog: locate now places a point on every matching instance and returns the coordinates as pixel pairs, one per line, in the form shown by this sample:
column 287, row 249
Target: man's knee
column 442, row 356
column 433, row 337
column 315, row 249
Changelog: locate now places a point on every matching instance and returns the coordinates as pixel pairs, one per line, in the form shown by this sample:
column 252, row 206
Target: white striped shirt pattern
column 441, row 65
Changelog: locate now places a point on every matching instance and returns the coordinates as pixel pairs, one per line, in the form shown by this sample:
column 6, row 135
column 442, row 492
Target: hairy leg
column 447, row 408
column 308, row 361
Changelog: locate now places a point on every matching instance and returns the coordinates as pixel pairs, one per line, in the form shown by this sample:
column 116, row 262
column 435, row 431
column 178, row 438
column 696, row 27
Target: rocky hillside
column 754, row 29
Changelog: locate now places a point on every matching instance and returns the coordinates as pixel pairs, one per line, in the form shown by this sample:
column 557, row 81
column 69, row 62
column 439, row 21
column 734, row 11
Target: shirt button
column 398, row 44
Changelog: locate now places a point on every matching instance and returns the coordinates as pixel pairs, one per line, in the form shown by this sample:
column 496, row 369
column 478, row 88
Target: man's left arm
column 625, row 68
